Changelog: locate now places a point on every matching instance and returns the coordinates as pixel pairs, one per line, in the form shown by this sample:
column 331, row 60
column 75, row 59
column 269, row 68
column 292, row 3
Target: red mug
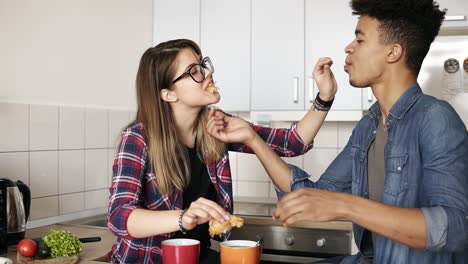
column 180, row 251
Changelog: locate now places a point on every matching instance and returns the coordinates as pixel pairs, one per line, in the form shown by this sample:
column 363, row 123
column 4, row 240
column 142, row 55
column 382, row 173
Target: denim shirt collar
column 401, row 106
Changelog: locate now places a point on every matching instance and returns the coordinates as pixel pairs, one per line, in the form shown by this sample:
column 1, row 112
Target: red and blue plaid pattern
column 134, row 185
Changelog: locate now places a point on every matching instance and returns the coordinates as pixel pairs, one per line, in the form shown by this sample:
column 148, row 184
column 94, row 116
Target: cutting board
column 62, row 260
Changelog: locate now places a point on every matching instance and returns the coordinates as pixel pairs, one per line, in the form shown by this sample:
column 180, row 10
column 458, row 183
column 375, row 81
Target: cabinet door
column 176, row 19
column 329, row 28
column 368, row 98
column 457, row 13
column 225, row 37
column 277, row 54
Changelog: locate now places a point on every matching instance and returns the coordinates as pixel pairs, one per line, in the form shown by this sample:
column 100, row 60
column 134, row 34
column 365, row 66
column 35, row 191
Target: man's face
column 366, row 58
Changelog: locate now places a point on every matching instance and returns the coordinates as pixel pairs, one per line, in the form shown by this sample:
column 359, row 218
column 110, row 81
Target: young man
column 402, row 179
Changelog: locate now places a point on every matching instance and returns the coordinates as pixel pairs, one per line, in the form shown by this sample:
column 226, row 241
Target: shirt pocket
column 396, row 178
column 358, row 156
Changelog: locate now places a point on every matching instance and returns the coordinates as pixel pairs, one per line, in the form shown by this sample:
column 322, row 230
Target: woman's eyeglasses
column 197, row 71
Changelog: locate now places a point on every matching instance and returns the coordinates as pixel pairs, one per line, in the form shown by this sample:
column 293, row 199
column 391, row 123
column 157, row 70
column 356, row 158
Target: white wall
column 67, row 71
column 72, row 52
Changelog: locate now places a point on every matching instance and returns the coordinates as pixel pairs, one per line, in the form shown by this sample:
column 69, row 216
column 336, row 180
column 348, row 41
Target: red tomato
column 27, row 248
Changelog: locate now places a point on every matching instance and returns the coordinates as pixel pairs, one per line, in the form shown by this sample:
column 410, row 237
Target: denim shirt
column 426, row 166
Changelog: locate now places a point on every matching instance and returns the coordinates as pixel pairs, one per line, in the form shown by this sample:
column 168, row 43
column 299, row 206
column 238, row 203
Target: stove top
column 254, row 209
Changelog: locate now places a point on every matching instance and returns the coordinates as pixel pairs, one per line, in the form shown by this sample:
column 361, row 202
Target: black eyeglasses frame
column 204, row 64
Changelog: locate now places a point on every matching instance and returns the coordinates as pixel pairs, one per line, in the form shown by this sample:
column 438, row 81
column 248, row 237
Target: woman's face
column 186, row 89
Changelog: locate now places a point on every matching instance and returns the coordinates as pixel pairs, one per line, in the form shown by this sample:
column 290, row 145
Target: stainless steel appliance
column 3, row 225
column 289, row 244
column 14, row 210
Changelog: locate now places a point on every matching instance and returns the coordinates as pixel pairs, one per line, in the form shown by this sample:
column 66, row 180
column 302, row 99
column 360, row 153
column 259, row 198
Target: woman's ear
column 395, row 53
column 168, row 95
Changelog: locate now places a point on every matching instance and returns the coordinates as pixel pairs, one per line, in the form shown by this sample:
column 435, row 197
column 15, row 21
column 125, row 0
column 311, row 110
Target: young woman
column 170, row 177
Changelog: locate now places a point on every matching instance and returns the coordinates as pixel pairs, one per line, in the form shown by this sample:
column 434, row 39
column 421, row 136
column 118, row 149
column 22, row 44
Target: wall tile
column 118, row 120
column 233, row 163
column 15, row 127
column 96, row 128
column 272, row 191
column 253, row 189
column 110, row 162
column 296, row 161
column 281, row 124
column 15, row 166
column 43, row 173
column 234, row 189
column 71, row 171
column 96, row 199
column 43, row 127
column 327, row 136
column 96, row 169
column 249, row 168
column 44, row 207
column 70, row 203
column 344, row 132
column 71, row 127
column 316, row 161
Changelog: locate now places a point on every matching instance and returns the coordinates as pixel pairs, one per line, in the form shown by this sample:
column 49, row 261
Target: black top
column 200, row 186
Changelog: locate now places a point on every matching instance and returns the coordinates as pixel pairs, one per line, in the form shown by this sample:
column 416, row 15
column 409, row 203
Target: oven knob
column 289, row 240
column 320, row 242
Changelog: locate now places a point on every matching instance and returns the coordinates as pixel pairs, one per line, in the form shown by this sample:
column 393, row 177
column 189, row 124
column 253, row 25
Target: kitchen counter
column 91, row 253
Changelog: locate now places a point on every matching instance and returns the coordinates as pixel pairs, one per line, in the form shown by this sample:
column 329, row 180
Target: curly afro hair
column 412, row 23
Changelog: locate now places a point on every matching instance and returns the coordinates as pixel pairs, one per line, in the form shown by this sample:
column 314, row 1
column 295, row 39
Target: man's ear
column 395, row 53
column 168, row 96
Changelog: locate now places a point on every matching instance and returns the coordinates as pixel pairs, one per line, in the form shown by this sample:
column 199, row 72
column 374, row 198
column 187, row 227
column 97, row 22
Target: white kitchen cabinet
column 225, row 37
column 457, row 13
column 176, row 19
column 368, row 98
column 329, row 27
column 277, row 55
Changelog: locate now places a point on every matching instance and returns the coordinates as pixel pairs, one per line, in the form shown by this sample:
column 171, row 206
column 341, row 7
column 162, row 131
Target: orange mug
column 240, row 252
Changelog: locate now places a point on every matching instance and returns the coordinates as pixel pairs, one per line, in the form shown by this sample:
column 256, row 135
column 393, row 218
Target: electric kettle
column 15, row 200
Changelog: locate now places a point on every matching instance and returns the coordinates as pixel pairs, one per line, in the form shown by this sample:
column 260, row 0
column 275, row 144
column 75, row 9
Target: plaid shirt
column 134, row 185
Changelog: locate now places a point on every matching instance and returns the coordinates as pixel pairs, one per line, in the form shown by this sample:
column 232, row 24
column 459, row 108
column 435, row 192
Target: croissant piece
column 217, row 228
column 212, row 88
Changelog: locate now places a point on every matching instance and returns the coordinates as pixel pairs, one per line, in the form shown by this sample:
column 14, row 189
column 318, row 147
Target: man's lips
column 346, row 66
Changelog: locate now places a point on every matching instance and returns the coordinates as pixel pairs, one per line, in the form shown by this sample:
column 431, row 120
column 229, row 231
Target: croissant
column 212, row 88
column 217, row 228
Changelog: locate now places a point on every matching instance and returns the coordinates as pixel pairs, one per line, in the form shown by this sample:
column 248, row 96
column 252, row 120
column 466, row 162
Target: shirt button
column 375, row 131
column 399, row 168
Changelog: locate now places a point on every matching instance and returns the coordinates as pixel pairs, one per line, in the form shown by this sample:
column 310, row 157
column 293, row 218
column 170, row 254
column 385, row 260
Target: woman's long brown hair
column 167, row 154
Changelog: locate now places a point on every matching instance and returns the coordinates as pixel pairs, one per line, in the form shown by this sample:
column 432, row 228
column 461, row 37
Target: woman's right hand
column 201, row 211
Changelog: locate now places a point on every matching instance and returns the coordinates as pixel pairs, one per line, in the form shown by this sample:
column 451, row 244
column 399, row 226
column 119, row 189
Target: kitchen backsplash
column 65, row 154
column 62, row 153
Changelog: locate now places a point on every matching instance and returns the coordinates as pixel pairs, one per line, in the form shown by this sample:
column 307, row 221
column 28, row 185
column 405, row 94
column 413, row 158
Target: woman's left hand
column 228, row 129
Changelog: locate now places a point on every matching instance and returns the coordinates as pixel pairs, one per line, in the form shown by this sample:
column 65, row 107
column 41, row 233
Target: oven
column 293, row 244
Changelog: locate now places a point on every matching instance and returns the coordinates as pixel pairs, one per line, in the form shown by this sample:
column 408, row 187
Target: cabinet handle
column 311, row 89
column 370, row 96
column 296, row 89
column 455, row 18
